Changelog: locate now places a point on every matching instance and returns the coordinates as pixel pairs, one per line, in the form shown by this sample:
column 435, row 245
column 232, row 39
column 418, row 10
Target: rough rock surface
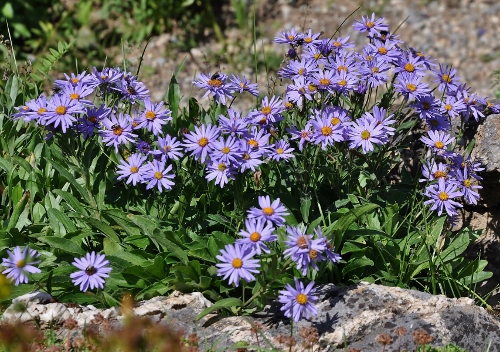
column 355, row 315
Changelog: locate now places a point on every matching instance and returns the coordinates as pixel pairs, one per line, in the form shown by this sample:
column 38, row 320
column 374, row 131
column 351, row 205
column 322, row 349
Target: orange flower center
column 268, row 211
column 225, row 150
column 41, row 110
column 253, row 143
column 308, row 40
column 446, row 78
column 409, row 67
column 313, row 254
column 342, row 68
column 92, row 119
column 134, row 169
column 312, row 87
column 75, row 80
column 326, row 131
column 150, row 115
column 301, row 299
column 411, row 87
column 246, row 156
column 335, row 121
column 382, row 50
column 443, row 196
column 117, row 130
column 342, row 82
column 301, row 71
column 255, row 237
column 370, row 24
column 214, row 82
column 237, row 263
column 467, row 183
column 74, row 96
column 203, row 142
column 439, row 174
column 158, row 175
column 337, row 44
column 324, row 81
column 266, row 110
column 448, row 107
column 61, row 110
column 302, row 242
column 280, row 151
column 439, row 145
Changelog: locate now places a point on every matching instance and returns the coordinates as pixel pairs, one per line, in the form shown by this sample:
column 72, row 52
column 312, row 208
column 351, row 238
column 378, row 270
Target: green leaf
column 71, row 179
column 18, row 209
column 356, row 264
column 223, row 303
column 305, row 206
column 170, row 246
column 63, row 244
column 103, row 227
column 71, row 200
column 58, row 219
column 455, row 248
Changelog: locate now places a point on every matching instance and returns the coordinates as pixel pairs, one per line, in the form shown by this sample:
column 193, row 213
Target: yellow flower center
column 411, row 87
column 167, row 148
column 375, row 69
column 75, row 80
column 324, row 81
column 301, row 71
column 21, row 263
column 439, row 145
column 237, row 263
column 266, row 110
column 335, row 121
column 370, row 24
column 118, row 130
column 467, row 183
column 365, row 135
column 342, row 82
column 311, row 87
column 268, row 211
column 225, row 150
column 302, row 242
column 253, row 143
column 203, row 142
column 301, row 299
column 448, row 107
column 150, row 115
column 305, row 134
column 317, row 56
column 214, row 82
column 291, row 37
column 308, row 40
column 302, row 90
column 289, row 105
column 446, row 78
column 409, row 67
column 61, row 110
column 342, row 68
column 135, row 123
column 369, row 58
column 41, row 110
column 439, row 174
column 382, row 50
column 222, row 167
column 158, row 175
column 246, row 156
column 243, row 85
column 337, row 44
column 74, row 96
column 313, row 254
column 280, row 151
column 326, row 131
column 255, row 237
column 134, row 169
column 443, row 196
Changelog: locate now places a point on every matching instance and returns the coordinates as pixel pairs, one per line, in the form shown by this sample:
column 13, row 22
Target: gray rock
column 354, row 315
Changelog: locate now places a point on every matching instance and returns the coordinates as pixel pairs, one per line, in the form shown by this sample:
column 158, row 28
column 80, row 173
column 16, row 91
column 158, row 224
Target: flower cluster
column 237, row 261
column 94, row 268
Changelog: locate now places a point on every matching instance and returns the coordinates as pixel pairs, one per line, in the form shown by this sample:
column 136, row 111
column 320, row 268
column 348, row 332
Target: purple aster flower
column 442, row 195
column 427, row 106
column 131, row 89
column 226, row 150
column 472, row 105
column 382, row 120
column 371, row 25
column 345, row 82
column 281, row 150
column 438, row 141
column 291, row 37
column 298, row 301
column 315, row 55
column 216, row 85
column 118, row 130
column 473, row 167
column 133, row 168
column 465, row 184
column 73, row 80
column 94, row 268
column 250, row 158
column 341, row 43
column 242, row 84
column 374, row 71
column 329, row 249
column 310, row 38
column 386, row 51
column 143, row 146
column 365, row 132
column 425, row 59
column 344, row 62
column 170, row 147
column 410, row 86
column 237, row 262
column 88, row 123
column 269, row 113
column 324, row 80
column 438, row 123
column 304, row 250
column 23, row 112
column 297, row 92
column 221, row 172
column 157, row 174
column 296, row 69
column 257, row 231
column 447, row 78
column 452, row 106
column 105, row 78
column 199, row 142
column 37, row 108
column 325, row 132
column 78, row 92
column 273, row 212
column 234, row 124
column 431, row 170
column 154, row 117
column 305, row 135
column 20, row 263
column 61, row 110
column 258, row 140
column 411, row 64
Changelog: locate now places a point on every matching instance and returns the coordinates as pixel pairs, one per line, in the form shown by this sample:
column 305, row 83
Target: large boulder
column 356, row 316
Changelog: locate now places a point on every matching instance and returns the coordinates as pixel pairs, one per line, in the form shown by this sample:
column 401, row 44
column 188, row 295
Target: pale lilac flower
column 326, row 133
column 216, row 85
column 154, row 117
column 237, row 263
column 371, row 25
column 410, row 86
column 117, row 130
column 365, row 132
column 289, row 37
column 221, row 172
column 438, row 141
column 94, row 268
column 273, row 212
column 20, row 263
column 281, row 150
column 256, row 233
column 199, row 142
column 61, row 111
column 170, row 147
column 442, row 195
column 269, row 113
column 298, row 301
column 467, row 187
column 133, row 168
column 447, row 78
column 157, row 175
column 242, row 84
